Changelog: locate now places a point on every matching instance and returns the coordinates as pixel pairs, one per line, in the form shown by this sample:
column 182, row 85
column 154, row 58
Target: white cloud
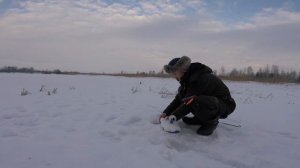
column 55, row 16
column 95, row 36
column 270, row 17
column 52, row 33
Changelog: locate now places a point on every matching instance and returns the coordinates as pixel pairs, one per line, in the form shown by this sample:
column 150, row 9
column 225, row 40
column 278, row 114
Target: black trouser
column 205, row 108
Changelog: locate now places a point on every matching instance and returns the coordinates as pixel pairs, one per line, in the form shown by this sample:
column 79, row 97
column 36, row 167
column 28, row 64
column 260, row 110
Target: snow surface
column 102, row 121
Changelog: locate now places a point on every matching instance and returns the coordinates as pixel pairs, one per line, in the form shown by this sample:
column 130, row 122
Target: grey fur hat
column 181, row 64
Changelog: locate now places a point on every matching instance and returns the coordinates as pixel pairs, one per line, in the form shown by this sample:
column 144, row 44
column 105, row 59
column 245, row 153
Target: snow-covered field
column 102, row 121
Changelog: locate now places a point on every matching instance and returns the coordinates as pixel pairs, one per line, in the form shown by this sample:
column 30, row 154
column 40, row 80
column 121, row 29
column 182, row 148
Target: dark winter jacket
column 199, row 80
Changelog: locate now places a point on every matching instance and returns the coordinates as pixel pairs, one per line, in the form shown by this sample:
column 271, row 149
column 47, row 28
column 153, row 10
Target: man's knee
column 210, row 103
column 206, row 107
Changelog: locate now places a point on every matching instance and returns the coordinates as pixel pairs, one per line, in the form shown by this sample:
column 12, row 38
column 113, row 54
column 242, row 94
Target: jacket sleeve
column 172, row 106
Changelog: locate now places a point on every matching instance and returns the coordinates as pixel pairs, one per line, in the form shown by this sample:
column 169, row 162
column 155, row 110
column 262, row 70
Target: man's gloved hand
column 155, row 119
column 169, row 124
column 163, row 115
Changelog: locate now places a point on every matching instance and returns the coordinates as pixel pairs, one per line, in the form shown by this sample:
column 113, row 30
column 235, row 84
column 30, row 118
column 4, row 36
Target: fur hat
column 181, row 64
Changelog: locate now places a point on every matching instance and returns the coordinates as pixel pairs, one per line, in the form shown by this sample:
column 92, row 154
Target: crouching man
column 201, row 93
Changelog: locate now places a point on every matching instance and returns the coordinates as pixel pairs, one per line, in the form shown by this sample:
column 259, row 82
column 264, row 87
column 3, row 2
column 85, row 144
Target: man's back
column 200, row 80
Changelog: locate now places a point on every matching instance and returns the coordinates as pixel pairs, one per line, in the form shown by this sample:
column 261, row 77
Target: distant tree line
column 272, row 74
column 152, row 73
column 14, row 69
column 268, row 73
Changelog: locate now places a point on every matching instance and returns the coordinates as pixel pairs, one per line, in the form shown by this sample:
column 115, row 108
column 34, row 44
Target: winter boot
column 191, row 120
column 208, row 127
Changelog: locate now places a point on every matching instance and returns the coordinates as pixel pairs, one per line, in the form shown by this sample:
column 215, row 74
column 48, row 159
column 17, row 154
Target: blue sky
column 226, row 10
column 241, row 10
column 144, row 35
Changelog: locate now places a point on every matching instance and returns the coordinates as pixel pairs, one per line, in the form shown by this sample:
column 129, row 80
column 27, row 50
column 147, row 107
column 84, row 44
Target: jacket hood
column 196, row 68
column 200, row 68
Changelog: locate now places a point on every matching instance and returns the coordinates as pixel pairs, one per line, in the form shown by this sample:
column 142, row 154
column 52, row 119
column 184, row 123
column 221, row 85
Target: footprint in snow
column 110, row 118
column 131, row 120
column 21, row 109
column 30, row 122
column 110, row 135
column 4, row 133
column 13, row 115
